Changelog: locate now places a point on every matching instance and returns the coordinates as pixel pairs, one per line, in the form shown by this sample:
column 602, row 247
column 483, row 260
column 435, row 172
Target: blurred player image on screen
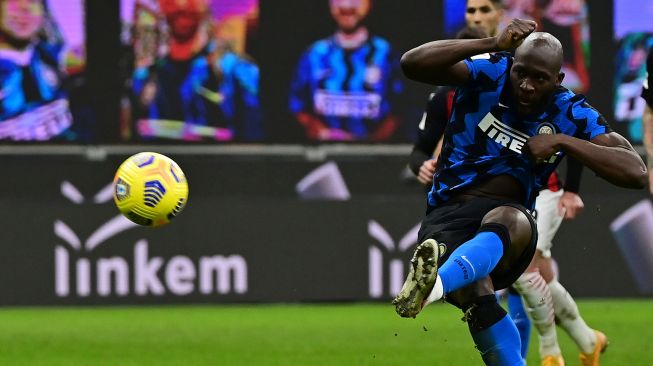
column 633, row 30
column 630, row 72
column 344, row 85
column 33, row 103
column 194, row 87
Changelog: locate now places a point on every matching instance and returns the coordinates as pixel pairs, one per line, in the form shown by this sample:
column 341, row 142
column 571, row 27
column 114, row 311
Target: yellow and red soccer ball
column 150, row 189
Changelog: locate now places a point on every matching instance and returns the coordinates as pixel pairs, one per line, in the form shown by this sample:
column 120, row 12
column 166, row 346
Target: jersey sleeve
column 430, row 129
column 590, row 123
column 647, row 91
column 574, row 174
column 486, row 69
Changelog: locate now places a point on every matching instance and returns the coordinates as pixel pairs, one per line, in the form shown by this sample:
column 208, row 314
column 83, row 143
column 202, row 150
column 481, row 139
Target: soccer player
column 555, row 202
column 344, row 85
column 486, row 14
column 647, row 94
column 512, row 122
column 423, row 159
column 200, row 89
column 34, row 104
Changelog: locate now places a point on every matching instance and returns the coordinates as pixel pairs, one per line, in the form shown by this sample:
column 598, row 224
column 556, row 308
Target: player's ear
column 561, row 76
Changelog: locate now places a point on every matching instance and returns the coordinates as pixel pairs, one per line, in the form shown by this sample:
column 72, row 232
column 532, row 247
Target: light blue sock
column 519, row 316
column 471, row 261
column 499, row 344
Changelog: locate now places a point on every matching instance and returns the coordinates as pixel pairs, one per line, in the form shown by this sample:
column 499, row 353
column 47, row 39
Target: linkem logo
column 79, row 273
column 393, row 263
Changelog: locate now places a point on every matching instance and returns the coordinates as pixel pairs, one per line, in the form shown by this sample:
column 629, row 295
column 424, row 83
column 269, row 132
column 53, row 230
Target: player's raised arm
column 609, row 155
column 440, row 62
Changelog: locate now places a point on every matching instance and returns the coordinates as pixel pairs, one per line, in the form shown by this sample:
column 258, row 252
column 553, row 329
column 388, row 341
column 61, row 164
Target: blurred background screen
column 42, row 62
column 284, row 72
column 633, row 32
column 190, row 77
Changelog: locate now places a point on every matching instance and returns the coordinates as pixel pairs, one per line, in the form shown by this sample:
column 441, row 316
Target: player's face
column 637, row 58
column 483, row 13
column 349, row 14
column 21, row 19
column 533, row 79
column 183, row 17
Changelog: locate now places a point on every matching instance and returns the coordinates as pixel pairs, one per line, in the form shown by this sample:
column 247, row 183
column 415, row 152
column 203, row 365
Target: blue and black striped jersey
column 348, row 89
column 33, row 102
column 485, row 135
column 192, row 91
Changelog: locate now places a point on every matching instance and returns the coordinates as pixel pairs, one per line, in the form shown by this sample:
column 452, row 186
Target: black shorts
column 454, row 223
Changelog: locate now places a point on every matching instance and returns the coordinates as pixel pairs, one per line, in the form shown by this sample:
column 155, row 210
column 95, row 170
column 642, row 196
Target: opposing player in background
column 200, row 90
column 512, row 123
column 33, row 102
column 647, row 120
column 486, row 14
column 344, row 85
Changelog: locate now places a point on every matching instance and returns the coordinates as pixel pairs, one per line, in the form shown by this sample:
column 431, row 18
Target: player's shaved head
column 535, row 72
column 543, row 46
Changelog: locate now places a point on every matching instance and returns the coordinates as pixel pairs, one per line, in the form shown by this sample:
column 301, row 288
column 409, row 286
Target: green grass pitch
column 339, row 334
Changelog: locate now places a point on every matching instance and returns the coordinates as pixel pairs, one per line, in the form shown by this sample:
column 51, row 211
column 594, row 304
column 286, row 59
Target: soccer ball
column 150, row 189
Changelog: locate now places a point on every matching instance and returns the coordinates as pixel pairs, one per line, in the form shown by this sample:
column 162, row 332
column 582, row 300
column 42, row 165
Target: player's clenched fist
column 542, row 147
column 426, row 172
column 515, row 33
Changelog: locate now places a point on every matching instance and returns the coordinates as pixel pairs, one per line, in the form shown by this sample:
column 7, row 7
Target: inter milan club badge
column 545, row 129
column 373, row 75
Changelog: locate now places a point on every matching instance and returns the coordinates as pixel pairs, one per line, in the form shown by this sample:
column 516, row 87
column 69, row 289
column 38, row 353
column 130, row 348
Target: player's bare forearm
column 610, row 156
column 438, row 62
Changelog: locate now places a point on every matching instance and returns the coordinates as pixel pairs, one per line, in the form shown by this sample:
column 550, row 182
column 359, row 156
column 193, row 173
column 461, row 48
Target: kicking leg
column 502, row 228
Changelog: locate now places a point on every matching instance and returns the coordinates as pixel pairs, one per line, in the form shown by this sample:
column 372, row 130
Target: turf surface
column 342, row 334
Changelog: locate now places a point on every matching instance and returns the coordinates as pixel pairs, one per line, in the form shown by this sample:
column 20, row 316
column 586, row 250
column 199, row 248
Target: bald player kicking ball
column 512, row 124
